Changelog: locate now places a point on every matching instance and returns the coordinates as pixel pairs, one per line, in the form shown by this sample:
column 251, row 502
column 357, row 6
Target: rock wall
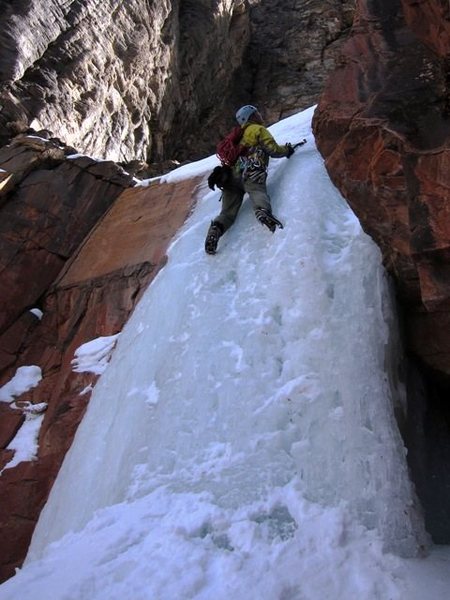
column 109, row 240
column 115, row 78
column 48, row 204
column 293, row 47
column 153, row 80
column 383, row 126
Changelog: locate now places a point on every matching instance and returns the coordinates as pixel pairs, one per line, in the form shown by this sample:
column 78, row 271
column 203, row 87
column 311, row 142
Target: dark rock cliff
column 153, row 80
column 383, row 126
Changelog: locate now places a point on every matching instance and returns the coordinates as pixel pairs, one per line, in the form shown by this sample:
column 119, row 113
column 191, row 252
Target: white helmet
column 244, row 113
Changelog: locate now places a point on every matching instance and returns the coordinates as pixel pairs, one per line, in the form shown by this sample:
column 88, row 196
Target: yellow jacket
column 258, row 135
column 261, row 146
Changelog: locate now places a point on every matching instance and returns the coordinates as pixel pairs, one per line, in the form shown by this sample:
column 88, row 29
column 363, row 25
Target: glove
column 289, row 150
column 221, row 177
column 212, row 179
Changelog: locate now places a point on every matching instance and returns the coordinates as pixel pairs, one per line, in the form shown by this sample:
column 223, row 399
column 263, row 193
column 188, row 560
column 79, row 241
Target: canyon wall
column 383, row 126
column 152, row 80
column 112, row 78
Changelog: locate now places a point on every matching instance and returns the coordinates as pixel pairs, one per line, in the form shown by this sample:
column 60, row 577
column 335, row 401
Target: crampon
column 266, row 218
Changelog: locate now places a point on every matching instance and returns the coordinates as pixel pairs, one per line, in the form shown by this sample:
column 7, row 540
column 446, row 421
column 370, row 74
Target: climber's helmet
column 244, row 113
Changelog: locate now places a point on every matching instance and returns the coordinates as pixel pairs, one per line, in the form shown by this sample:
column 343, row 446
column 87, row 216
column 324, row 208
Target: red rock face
column 383, row 126
column 47, row 207
column 91, row 291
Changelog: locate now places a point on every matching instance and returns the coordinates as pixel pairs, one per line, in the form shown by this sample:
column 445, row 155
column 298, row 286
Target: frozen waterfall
column 242, row 441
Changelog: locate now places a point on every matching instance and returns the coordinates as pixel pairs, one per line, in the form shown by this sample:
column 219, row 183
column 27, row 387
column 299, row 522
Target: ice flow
column 243, row 435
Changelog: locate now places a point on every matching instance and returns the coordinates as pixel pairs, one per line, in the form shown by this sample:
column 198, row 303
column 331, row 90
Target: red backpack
column 229, row 149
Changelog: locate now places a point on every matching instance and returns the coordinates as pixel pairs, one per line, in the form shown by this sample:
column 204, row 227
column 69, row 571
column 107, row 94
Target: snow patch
column 152, row 394
column 25, row 442
column 94, row 356
column 37, row 312
column 86, row 390
column 25, row 379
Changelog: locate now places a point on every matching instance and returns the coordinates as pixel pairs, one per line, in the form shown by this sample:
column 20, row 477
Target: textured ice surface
column 241, row 442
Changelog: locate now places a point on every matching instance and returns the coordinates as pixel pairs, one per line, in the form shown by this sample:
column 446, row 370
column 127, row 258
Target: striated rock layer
column 152, row 80
column 383, row 126
column 113, row 78
column 82, row 245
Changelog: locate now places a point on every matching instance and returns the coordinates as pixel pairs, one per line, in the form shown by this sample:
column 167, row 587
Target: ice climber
column 248, row 175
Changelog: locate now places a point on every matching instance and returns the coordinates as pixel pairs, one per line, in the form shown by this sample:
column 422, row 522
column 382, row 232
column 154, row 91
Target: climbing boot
column 266, row 218
column 212, row 237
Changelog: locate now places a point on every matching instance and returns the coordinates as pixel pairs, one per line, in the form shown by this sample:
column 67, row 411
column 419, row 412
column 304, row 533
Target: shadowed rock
column 157, row 80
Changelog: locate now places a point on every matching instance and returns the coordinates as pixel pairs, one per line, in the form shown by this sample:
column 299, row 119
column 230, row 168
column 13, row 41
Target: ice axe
column 291, row 147
column 298, row 144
